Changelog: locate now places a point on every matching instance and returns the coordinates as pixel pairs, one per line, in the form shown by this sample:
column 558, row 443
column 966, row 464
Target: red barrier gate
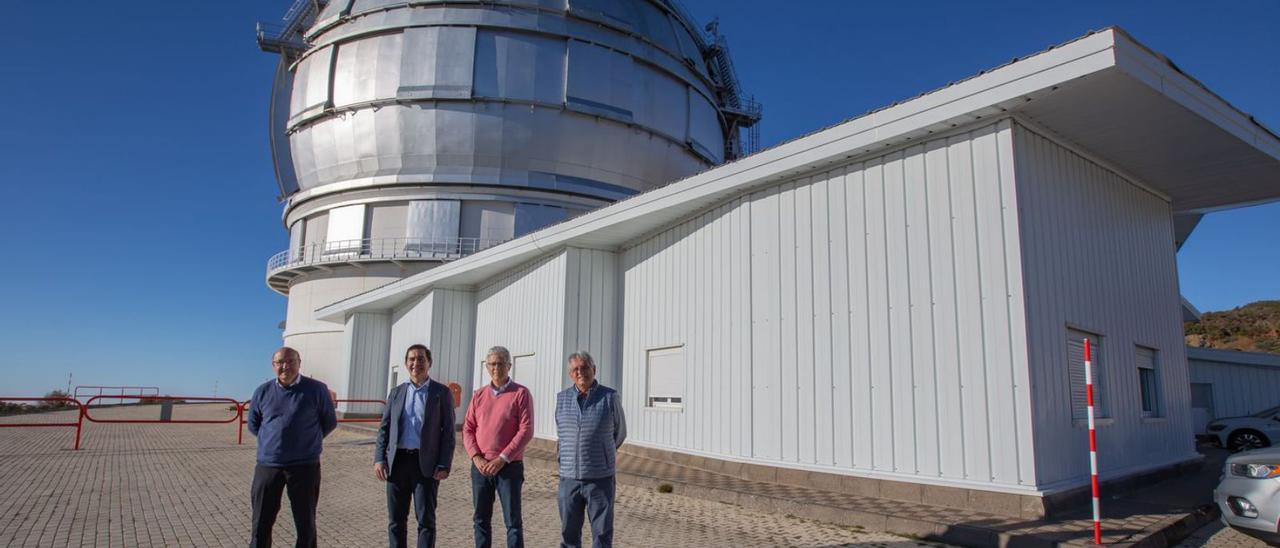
column 88, row 405
column 236, row 404
column 79, row 417
column 119, row 390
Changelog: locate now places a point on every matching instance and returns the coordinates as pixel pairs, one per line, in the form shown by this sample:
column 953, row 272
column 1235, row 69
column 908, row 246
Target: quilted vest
column 586, row 433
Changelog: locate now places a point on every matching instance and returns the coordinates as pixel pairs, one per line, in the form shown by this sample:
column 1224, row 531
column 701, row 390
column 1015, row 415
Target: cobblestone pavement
column 1215, row 535
column 188, row 485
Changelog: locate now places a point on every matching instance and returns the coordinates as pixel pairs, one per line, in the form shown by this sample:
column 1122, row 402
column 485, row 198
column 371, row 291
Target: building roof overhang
column 1233, row 357
column 1104, row 93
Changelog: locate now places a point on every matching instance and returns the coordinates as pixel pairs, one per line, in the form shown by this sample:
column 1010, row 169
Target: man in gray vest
column 591, row 427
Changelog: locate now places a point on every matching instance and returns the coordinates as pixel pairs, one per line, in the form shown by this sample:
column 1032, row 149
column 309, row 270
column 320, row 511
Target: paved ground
column 1217, row 536
column 187, row 485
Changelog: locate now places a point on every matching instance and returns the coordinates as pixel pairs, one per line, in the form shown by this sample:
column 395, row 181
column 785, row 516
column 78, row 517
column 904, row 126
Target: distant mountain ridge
column 1254, row 327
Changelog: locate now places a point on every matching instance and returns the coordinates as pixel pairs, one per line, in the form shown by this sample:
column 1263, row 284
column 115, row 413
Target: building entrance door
column 1201, row 406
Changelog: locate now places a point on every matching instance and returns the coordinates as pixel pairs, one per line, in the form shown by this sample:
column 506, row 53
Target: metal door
column 1201, row 406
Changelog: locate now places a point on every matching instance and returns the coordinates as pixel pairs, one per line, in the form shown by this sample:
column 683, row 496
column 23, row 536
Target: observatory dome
column 590, row 99
column 408, row 133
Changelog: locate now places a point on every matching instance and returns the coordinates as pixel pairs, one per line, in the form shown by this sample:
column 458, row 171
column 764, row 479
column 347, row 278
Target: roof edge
column 1234, row 357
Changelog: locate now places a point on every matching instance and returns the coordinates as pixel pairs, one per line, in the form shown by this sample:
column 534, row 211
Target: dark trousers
column 407, row 480
column 506, row 485
column 269, row 482
column 591, row 498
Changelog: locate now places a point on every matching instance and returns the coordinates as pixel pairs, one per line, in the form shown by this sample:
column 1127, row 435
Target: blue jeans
column 591, row 498
column 506, row 485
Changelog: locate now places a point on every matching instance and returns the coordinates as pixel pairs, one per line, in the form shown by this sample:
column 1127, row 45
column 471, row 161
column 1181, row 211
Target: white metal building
column 1226, row 383
column 898, row 297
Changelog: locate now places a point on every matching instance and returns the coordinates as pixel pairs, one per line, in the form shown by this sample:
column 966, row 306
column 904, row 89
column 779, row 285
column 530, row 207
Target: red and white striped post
column 1093, row 445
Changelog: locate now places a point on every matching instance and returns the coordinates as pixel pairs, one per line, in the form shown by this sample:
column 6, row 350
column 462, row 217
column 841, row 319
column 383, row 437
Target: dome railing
column 378, row 249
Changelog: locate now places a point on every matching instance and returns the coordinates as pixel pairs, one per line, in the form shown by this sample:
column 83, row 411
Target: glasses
column 285, row 362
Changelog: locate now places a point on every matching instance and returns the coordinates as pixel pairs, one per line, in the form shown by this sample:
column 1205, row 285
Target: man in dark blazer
column 415, row 449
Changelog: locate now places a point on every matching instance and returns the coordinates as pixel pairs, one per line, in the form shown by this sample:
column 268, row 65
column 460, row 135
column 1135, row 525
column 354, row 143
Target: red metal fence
column 83, row 412
column 76, row 425
column 119, row 390
column 149, row 399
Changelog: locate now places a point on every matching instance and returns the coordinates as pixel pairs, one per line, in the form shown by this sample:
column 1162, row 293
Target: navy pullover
column 291, row 422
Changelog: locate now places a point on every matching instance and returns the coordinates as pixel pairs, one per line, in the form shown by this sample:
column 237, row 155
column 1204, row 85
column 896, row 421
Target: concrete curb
column 1161, row 535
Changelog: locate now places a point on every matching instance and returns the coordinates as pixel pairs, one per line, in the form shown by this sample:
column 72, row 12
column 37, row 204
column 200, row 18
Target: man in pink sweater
column 497, row 427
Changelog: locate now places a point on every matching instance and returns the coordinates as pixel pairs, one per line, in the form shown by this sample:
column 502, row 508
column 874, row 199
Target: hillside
column 1254, row 327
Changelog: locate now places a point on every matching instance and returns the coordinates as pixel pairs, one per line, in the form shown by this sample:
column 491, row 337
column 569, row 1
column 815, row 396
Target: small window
column 1148, row 381
column 665, row 377
column 1075, row 365
column 522, row 365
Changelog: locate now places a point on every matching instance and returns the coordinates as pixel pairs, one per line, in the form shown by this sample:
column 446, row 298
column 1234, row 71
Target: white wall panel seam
column 926, row 244
column 869, row 387
column 1016, row 297
column 982, row 316
column 911, row 304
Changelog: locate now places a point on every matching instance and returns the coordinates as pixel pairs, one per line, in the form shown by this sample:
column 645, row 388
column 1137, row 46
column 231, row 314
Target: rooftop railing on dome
column 378, row 249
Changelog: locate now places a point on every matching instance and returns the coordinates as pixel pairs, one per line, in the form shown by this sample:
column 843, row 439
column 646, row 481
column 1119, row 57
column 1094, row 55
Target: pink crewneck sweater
column 498, row 425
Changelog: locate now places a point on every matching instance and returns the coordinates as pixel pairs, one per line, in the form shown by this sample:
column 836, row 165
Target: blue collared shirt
column 415, row 405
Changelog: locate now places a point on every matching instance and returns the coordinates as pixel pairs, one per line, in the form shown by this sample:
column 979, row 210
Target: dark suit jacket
column 437, row 429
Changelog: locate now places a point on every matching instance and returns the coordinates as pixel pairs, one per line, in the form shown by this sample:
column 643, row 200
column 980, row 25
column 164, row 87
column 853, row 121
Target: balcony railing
column 377, row 249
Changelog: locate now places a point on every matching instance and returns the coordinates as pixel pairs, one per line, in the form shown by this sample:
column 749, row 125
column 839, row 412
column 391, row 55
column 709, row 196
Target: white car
column 1254, row 431
column 1249, row 493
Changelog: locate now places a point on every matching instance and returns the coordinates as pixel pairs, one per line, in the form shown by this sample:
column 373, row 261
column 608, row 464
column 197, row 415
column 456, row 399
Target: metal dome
column 593, row 98
column 410, row 133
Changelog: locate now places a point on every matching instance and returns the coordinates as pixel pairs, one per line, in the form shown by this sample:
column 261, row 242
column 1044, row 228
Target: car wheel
column 1245, row 440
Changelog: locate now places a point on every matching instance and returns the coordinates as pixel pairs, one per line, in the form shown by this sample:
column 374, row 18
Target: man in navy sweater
column 290, row 415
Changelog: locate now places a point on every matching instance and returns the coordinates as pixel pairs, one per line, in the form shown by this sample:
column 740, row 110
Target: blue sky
column 140, row 202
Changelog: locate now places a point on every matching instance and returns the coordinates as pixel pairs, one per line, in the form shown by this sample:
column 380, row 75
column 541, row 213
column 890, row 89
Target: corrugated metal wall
column 592, row 310
column 444, row 320
column 524, row 311
column 1238, row 389
column 368, row 335
column 1099, row 257
column 410, row 324
column 452, row 337
column 868, row 319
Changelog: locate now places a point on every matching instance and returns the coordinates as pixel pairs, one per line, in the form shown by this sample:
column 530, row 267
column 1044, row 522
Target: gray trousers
column 580, row 499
